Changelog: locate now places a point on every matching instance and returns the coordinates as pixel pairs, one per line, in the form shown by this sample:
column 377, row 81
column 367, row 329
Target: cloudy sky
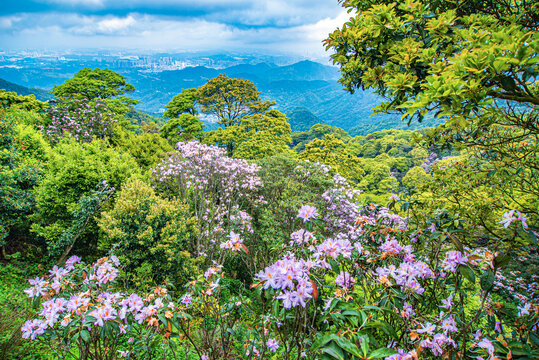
column 285, row 26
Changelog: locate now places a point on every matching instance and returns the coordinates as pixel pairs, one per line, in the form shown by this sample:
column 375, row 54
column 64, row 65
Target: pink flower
column 453, row 259
column 487, row 345
column 307, row 213
column 272, row 344
column 33, row 328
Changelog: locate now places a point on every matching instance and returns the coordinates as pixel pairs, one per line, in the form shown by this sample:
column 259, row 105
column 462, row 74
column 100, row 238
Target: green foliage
column 33, row 118
column 416, row 176
column 332, row 151
column 182, row 103
column 29, row 102
column 475, row 65
column 255, row 136
column 142, row 120
column 149, row 234
column 317, row 131
column 147, row 148
column 470, row 188
column 102, row 85
column 419, row 155
column 230, row 99
column 94, row 84
column 288, row 184
column 86, row 209
column 378, row 179
column 441, row 55
column 22, row 151
column 73, row 171
column 183, row 128
column 302, row 119
column 16, row 309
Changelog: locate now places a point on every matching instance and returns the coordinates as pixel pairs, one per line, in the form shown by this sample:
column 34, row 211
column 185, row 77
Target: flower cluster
column 216, row 187
column 235, row 243
column 513, row 215
column 453, row 259
column 291, row 277
column 78, row 297
column 80, row 119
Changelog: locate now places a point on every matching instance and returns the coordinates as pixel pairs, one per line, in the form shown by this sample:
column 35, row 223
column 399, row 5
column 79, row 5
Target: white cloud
column 154, row 32
column 115, row 24
column 7, row 22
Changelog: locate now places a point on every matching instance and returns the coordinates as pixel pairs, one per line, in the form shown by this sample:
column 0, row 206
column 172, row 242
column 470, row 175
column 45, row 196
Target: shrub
column 148, row 233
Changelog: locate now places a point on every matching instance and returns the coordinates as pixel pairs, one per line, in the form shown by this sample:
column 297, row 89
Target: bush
column 74, row 171
column 149, row 235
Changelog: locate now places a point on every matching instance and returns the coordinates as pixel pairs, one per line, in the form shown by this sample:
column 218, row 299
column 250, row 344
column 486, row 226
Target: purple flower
column 448, row 324
column 509, row 217
column 453, row 259
column 487, row 345
column 307, row 213
column 524, row 310
column 272, row 344
column 33, row 328
column 427, row 328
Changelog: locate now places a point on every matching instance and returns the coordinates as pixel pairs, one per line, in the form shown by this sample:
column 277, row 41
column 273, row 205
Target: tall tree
column 229, row 99
column 473, row 62
column 183, row 124
column 181, row 103
column 98, row 84
column 256, row 137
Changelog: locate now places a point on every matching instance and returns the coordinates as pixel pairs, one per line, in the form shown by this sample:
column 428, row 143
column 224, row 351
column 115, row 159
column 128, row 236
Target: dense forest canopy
column 156, row 238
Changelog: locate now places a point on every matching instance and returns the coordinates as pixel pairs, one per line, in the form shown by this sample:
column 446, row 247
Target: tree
column 72, row 173
column 149, row 234
column 415, row 177
column 98, row 84
column 257, row 136
column 80, row 119
column 332, row 151
column 446, row 56
column 29, row 102
column 182, row 103
column 182, row 128
column 230, row 100
column 473, row 62
column 21, row 165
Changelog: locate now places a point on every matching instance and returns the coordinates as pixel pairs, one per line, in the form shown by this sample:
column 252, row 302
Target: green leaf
column 502, row 260
column 381, row 353
column 508, row 83
column 321, row 341
column 85, row 335
column 347, row 346
column 334, row 266
column 487, row 280
column 467, row 272
column 333, row 350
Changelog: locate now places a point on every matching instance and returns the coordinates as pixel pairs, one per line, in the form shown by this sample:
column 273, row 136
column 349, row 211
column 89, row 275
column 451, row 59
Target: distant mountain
column 302, row 119
column 308, row 86
column 40, row 94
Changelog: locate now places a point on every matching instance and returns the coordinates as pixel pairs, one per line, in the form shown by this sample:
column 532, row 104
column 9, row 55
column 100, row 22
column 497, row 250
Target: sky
column 271, row 26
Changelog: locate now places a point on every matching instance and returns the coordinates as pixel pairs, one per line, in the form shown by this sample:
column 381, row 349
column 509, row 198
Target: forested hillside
column 305, row 84
column 124, row 235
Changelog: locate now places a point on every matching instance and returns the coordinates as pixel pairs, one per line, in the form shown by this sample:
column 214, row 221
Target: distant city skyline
column 295, row 27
